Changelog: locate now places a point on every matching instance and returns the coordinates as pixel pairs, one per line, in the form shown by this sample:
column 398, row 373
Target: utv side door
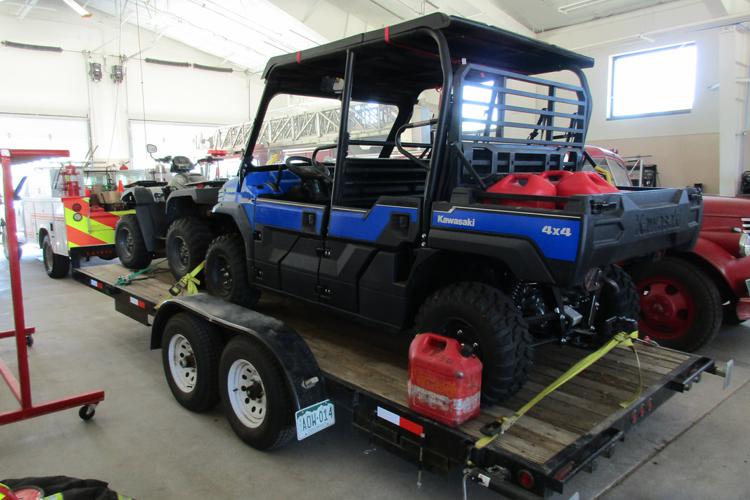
column 372, row 228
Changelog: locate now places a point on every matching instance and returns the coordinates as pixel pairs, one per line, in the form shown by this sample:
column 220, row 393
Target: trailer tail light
column 138, row 303
column 526, row 479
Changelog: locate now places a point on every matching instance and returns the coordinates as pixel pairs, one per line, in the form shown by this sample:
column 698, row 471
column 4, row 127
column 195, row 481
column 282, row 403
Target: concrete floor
column 147, row 446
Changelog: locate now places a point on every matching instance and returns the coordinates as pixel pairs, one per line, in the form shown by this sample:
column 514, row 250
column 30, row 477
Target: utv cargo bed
column 365, row 371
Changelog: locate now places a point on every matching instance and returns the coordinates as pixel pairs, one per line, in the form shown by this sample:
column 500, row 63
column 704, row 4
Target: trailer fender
column 303, row 376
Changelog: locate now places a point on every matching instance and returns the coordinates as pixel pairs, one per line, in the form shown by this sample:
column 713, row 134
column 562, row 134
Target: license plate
column 314, row 419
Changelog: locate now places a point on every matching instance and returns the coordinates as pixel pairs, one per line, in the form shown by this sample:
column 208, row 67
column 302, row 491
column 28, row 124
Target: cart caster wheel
column 87, row 412
column 29, row 340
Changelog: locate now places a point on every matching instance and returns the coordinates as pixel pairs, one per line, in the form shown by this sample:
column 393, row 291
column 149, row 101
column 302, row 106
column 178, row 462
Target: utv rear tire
column 129, row 244
column 56, row 266
column 187, row 242
column 477, row 313
column 226, row 271
column 680, row 306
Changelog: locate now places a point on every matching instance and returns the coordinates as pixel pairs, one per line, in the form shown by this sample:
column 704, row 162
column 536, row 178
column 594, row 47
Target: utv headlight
column 744, row 245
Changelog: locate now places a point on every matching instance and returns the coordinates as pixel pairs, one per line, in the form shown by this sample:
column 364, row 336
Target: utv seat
column 367, row 179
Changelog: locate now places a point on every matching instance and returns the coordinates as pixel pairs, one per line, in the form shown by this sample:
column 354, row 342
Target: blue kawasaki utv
column 392, row 222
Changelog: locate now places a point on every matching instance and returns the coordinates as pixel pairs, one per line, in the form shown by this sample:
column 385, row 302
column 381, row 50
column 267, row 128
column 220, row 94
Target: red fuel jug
column 584, row 183
column 443, row 384
column 555, row 176
column 524, row 183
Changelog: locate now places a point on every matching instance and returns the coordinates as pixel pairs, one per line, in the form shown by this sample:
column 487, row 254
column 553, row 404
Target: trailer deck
column 366, row 371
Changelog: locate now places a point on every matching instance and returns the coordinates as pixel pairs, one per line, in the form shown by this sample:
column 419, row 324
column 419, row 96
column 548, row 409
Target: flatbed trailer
column 365, row 372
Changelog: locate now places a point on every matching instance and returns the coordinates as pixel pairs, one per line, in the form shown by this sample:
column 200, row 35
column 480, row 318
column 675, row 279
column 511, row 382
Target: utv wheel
column 187, row 241
column 623, row 301
column 57, row 266
column 475, row 313
column 191, row 348
column 129, row 244
column 680, row 306
column 226, row 271
column 254, row 395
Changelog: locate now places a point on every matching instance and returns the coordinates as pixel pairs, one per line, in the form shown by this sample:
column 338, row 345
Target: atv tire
column 476, row 313
column 187, row 242
column 129, row 243
column 226, row 271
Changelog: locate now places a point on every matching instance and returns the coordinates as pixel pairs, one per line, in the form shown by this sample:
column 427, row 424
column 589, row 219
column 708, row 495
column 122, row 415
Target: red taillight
column 525, row 479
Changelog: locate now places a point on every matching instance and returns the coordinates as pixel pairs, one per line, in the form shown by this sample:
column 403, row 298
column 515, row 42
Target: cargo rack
column 563, row 435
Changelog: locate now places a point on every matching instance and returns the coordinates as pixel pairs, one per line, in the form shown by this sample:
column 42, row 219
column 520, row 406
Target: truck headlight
column 744, row 245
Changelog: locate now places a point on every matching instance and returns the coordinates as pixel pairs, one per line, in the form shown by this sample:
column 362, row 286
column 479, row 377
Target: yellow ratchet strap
column 189, row 283
column 620, row 339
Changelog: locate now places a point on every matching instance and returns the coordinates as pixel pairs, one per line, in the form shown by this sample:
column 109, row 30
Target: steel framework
column 309, row 127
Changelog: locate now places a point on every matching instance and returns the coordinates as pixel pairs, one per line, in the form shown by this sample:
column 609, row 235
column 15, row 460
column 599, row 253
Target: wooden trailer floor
column 377, row 361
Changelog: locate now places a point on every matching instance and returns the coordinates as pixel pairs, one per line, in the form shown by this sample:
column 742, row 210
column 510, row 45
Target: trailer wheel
column 191, row 348
column 680, row 306
column 254, row 395
column 479, row 314
column 226, row 271
column 57, row 266
column 624, row 301
column 187, row 241
column 129, row 244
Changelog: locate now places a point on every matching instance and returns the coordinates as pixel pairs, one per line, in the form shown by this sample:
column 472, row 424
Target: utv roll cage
column 395, row 64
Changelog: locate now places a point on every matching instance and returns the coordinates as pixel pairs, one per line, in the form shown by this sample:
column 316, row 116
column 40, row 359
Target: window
column 653, row 82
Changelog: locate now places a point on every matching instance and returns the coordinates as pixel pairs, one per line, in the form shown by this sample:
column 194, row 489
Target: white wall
column 49, row 83
column 685, row 146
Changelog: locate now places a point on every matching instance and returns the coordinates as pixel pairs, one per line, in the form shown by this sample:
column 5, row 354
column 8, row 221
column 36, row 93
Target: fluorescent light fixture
column 77, row 8
column 580, row 4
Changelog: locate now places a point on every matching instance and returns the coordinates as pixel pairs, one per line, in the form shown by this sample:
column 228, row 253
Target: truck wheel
column 226, row 271
column 475, row 313
column 624, row 301
column 187, row 241
column 254, row 395
column 129, row 244
column 680, row 305
column 190, row 349
column 6, row 251
column 57, row 266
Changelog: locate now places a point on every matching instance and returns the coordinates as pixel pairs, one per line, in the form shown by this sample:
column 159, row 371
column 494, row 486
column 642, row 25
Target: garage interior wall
column 686, row 146
column 57, row 83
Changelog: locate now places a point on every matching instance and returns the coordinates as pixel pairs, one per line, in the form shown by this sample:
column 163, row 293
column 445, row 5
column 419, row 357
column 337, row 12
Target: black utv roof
column 402, row 60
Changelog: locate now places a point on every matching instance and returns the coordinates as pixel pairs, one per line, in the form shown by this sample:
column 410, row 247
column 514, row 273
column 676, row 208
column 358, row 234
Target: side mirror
column 151, row 148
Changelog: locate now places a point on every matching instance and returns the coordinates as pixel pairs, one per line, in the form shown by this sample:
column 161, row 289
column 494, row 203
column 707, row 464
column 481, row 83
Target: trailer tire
column 129, row 244
column 226, row 271
column 187, row 242
column 259, row 413
column 56, row 266
column 477, row 313
column 188, row 340
column 624, row 301
column 680, row 305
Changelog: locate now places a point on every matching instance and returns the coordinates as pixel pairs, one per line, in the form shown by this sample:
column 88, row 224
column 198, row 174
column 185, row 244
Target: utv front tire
column 475, row 313
column 129, row 244
column 226, row 271
column 187, row 242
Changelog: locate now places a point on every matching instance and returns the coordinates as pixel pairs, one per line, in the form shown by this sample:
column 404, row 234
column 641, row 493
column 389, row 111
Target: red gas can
column 555, row 176
column 527, row 184
column 584, row 183
column 443, row 384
